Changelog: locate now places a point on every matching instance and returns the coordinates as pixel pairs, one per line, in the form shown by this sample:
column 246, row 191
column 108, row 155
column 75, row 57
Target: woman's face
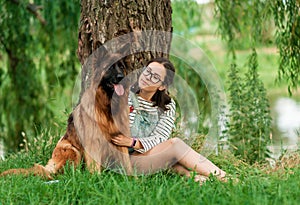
column 152, row 77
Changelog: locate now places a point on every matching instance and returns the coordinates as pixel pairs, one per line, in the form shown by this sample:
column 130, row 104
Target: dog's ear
column 99, row 58
column 100, row 65
column 93, row 67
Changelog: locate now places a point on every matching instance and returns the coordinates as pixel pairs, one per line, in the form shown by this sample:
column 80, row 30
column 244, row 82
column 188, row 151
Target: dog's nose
column 120, row 76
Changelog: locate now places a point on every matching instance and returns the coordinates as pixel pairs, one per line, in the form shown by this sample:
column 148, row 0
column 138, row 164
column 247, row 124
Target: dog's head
column 112, row 79
column 112, row 95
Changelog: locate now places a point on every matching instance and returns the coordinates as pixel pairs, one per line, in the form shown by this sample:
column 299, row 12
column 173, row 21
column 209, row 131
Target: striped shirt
column 164, row 127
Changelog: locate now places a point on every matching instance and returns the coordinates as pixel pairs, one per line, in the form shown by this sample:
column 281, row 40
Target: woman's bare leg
column 173, row 151
column 181, row 170
column 185, row 172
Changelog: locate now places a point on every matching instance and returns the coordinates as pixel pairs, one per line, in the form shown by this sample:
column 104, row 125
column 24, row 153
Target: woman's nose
column 148, row 77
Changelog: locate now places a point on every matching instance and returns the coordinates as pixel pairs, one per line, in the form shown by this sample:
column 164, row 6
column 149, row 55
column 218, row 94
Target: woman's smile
column 144, row 83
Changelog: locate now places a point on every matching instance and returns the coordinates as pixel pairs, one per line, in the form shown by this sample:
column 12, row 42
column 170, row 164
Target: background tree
column 38, row 58
column 101, row 21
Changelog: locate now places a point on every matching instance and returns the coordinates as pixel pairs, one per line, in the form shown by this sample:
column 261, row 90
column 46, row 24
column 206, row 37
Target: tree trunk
column 102, row 21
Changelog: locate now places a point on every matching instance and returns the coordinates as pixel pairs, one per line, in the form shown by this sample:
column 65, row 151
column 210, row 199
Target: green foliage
column 186, row 17
column 228, row 25
column 287, row 21
column 250, row 21
column 250, row 121
column 38, row 42
column 198, row 87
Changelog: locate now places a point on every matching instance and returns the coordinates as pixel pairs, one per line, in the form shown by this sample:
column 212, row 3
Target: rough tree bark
column 103, row 20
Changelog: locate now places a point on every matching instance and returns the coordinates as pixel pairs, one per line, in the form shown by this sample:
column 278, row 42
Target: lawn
column 258, row 184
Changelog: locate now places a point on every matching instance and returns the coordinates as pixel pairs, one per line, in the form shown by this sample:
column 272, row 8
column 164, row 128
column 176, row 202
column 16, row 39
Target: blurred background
column 39, row 66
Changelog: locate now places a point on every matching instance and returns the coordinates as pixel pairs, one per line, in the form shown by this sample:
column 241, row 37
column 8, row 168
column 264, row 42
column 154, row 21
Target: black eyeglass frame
column 152, row 74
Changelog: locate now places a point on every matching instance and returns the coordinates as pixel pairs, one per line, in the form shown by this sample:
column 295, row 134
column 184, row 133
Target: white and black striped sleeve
column 163, row 129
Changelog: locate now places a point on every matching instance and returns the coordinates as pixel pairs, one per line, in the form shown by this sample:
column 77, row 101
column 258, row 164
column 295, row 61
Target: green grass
column 77, row 186
column 80, row 187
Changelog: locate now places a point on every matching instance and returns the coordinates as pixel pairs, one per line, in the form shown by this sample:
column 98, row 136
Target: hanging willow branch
column 287, row 21
column 34, row 9
column 39, row 62
column 228, row 26
column 236, row 17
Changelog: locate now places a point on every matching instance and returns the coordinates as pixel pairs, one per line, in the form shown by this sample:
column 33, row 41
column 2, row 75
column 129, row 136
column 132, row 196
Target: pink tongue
column 119, row 89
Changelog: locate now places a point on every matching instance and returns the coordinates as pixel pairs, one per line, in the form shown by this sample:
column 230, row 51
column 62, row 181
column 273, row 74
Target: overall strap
column 136, row 106
column 135, row 101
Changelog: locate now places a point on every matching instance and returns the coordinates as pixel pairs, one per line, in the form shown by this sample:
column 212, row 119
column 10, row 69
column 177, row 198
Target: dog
column 100, row 115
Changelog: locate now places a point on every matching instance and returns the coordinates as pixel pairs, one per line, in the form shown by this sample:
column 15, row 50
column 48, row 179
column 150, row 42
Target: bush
column 250, row 121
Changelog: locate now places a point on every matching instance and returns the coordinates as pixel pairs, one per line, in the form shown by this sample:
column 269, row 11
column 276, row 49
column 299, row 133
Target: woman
column 150, row 148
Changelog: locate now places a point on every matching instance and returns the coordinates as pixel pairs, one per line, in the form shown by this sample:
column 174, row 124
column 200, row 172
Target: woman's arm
column 160, row 134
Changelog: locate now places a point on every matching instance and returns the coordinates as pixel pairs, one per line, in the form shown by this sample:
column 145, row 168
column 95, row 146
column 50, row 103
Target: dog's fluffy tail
column 37, row 170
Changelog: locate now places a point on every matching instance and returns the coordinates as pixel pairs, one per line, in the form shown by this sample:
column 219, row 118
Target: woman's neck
column 146, row 95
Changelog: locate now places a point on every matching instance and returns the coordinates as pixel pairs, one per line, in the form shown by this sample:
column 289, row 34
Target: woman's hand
column 122, row 140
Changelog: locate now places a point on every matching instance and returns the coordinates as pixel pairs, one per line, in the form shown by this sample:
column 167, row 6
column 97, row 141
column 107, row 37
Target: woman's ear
column 162, row 87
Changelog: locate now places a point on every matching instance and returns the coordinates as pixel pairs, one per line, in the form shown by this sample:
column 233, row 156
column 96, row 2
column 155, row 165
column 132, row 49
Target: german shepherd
column 101, row 114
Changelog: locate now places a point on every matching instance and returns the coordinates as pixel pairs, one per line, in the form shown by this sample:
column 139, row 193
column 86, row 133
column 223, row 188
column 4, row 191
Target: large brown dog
column 101, row 114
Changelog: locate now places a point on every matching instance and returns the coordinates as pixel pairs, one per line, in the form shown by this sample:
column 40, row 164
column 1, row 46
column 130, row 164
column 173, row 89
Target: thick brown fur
column 88, row 137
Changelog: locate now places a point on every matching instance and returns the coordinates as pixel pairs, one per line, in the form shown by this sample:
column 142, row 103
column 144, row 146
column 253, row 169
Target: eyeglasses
column 154, row 78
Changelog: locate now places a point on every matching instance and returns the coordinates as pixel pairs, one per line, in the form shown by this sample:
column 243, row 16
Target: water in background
column 287, row 126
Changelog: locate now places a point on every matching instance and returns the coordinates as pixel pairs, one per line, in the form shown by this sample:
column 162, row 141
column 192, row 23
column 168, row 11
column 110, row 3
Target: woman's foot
column 222, row 176
column 200, row 179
